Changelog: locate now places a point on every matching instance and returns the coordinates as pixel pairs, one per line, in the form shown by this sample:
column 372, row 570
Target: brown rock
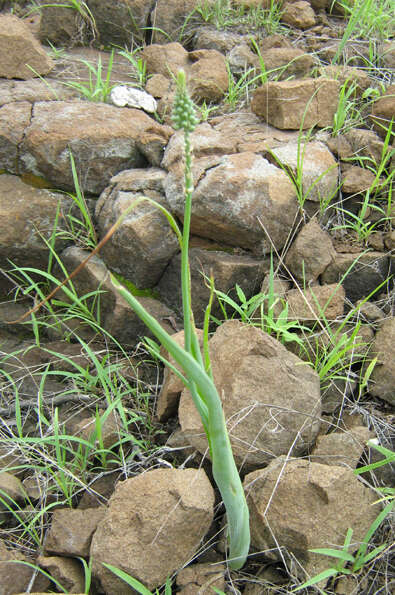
column 153, row 526
column 296, row 505
column 383, row 375
column 157, row 85
column 341, row 448
column 310, row 253
column 294, row 104
column 239, row 199
column 208, row 76
column 61, row 25
column 144, row 242
column 165, row 59
column 25, row 220
column 241, row 58
column 271, row 403
column 348, row 75
column 359, row 273
column 387, row 54
column 19, row 49
column 339, row 146
column 103, row 139
column 318, row 168
column 365, row 143
column 170, row 16
column 287, row 62
column 18, row 577
column 226, row 269
column 201, row 578
column 298, row 14
column 11, row 491
column 68, row 572
column 71, row 531
column 357, row 179
column 383, row 111
column 14, row 119
column 47, row 89
column 121, row 23
column 312, row 304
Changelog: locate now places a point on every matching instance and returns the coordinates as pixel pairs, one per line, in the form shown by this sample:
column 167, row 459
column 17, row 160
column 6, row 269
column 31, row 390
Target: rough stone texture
column 383, row 375
column 62, row 25
column 292, row 104
column 116, row 316
column 17, row 577
column 310, row 253
column 357, row 179
column 71, row 531
column 120, row 23
column 170, row 16
column 154, row 524
column 201, row 579
column 86, row 429
column 144, row 243
column 165, row 59
column 11, row 490
column 271, row 403
column 365, row 143
column 365, row 273
column 68, row 572
column 383, row 111
column 387, row 54
column 208, row 75
column 341, row 448
column 27, row 215
column 172, row 385
column 19, row 49
column 14, row 118
column 298, row 14
column 297, row 505
column 309, row 305
column 288, row 62
column 227, row 270
column 241, row 58
column 47, row 89
column 211, row 38
column 349, row 75
column 103, row 140
column 240, row 199
column 319, row 169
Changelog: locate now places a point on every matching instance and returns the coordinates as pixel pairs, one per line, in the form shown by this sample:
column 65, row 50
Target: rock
column 14, row 119
column 153, row 526
column 341, row 448
column 298, row 14
column 383, row 375
column 310, row 305
column 383, row 111
column 158, row 85
column 297, row 104
column 27, row 215
column 144, row 243
column 68, row 572
column 165, row 59
column 47, row 89
column 310, row 253
column 62, row 25
column 208, row 76
column 360, row 274
column 348, row 75
column 339, row 146
column 201, row 578
column 11, row 491
column 271, row 403
column 365, row 143
column 172, row 385
column 102, row 138
column 19, row 50
column 239, row 199
column 296, row 506
column 241, row 58
column 356, row 180
column 287, row 62
column 122, row 96
column 320, row 171
column 387, row 54
column 18, row 577
column 211, row 38
column 169, row 18
column 122, row 23
column 71, row 531
column 226, row 269
column 98, row 493
column 117, row 317
column 110, row 429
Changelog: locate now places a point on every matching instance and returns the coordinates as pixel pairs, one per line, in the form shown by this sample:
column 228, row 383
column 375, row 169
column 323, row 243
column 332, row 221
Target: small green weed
column 139, row 65
column 99, row 87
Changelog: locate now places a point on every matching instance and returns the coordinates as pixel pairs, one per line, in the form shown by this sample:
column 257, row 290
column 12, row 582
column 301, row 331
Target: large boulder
column 144, row 242
column 271, row 401
column 296, row 505
column 21, row 55
column 103, row 140
column 153, row 526
column 240, row 199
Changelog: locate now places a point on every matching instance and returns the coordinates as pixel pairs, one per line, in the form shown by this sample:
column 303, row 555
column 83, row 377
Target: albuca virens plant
column 196, row 368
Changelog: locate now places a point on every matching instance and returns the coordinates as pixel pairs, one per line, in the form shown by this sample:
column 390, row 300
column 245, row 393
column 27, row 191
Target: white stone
column 122, row 96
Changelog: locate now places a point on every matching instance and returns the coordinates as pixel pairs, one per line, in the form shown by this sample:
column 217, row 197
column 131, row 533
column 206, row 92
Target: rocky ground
column 103, row 456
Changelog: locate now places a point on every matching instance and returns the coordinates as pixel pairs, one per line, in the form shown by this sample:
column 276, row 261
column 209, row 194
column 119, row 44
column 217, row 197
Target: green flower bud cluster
column 183, row 114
